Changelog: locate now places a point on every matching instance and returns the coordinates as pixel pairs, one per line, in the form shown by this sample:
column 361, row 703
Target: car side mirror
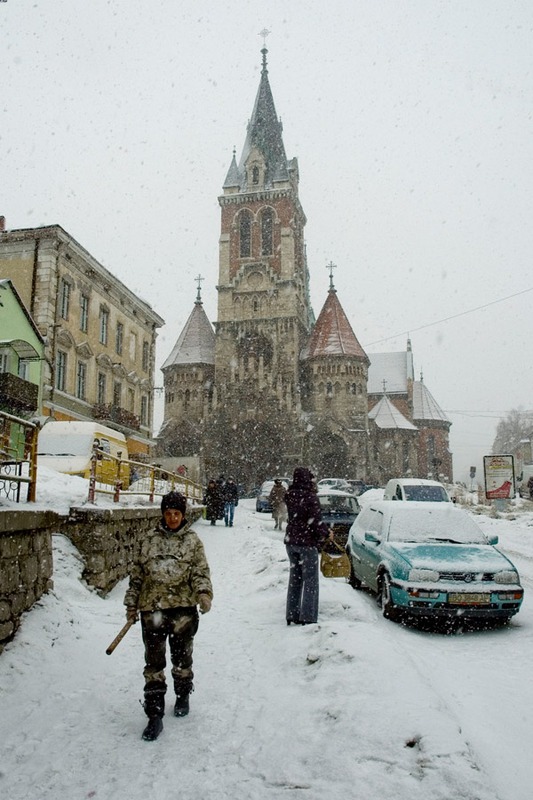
column 371, row 536
column 493, row 539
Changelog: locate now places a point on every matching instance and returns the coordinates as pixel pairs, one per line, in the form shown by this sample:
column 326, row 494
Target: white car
column 416, row 489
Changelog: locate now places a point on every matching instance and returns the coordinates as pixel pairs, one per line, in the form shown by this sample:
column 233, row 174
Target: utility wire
column 453, row 316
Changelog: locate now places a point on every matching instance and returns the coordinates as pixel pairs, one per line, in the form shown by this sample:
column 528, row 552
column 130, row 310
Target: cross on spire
column 198, row 295
column 264, row 33
column 331, row 266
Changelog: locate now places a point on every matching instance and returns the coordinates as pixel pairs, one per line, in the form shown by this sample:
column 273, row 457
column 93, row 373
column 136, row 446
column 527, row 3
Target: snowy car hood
column 451, row 557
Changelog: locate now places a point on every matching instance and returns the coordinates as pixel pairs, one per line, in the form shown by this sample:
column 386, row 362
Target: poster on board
column 499, row 477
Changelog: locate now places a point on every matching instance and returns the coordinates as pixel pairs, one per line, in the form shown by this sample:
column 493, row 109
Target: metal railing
column 130, row 478
column 18, row 457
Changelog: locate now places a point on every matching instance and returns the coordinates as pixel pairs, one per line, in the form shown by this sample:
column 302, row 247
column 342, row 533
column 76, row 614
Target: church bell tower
column 264, row 311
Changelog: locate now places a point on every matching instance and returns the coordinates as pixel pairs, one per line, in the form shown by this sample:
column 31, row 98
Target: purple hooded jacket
column 304, row 526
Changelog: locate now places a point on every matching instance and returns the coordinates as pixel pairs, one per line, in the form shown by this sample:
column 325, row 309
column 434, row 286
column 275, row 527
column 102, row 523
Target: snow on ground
column 352, row 707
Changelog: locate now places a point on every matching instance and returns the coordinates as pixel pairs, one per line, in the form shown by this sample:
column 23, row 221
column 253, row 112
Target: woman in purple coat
column 303, row 538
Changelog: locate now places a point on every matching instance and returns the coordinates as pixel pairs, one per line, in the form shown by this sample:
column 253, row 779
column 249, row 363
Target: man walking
column 169, row 578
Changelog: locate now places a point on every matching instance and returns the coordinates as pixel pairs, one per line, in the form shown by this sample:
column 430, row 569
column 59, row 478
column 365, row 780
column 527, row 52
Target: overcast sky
column 412, row 124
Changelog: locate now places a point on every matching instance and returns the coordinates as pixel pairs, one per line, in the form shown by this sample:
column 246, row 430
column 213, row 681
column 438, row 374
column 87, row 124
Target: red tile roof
column 333, row 334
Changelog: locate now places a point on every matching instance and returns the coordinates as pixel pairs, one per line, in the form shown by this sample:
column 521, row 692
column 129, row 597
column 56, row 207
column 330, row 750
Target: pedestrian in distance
column 231, row 501
column 213, row 501
column 169, row 579
column 277, row 501
column 304, row 537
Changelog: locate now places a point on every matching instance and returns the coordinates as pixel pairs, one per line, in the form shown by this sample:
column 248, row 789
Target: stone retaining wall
column 25, row 564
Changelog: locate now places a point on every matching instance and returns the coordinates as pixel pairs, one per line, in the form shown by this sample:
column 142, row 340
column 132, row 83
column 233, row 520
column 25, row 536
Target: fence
column 133, row 478
column 18, row 456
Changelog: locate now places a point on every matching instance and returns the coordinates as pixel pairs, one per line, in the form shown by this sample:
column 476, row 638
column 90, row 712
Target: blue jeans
column 302, row 594
column 229, row 510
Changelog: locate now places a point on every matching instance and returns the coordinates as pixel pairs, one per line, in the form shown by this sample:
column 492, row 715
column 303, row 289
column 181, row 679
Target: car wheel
column 353, row 580
column 388, row 609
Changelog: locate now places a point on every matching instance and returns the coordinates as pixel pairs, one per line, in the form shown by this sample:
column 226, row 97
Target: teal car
column 431, row 560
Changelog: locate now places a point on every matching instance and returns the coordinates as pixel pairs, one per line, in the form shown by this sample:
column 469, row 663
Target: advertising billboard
column 499, row 477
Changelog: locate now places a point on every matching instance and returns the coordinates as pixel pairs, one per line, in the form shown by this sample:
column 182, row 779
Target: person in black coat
column 304, row 537
column 231, row 500
column 213, row 502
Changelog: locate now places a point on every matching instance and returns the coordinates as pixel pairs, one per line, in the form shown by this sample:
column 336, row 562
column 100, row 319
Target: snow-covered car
column 415, row 489
column 431, row 560
column 334, row 483
column 339, row 510
column 262, row 501
column 358, row 486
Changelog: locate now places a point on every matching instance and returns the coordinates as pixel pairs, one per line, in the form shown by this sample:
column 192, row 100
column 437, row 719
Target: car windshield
column 454, row 527
column 426, row 493
column 338, row 504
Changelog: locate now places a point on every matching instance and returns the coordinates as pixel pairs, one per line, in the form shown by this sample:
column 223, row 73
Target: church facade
column 270, row 387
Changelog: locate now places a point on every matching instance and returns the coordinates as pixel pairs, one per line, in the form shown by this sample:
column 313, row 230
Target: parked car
column 339, row 510
column 415, row 489
column 334, row 483
column 358, row 487
column 431, row 560
column 262, row 501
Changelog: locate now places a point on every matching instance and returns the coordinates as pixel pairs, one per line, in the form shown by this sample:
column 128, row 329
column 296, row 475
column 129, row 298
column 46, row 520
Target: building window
column 117, row 394
column 104, row 324
column 119, row 338
column 131, row 400
column 146, row 356
column 64, row 299
column 255, row 175
column 101, row 388
column 144, row 410
column 61, row 371
column 24, row 370
column 84, row 313
column 245, row 234
column 4, row 362
column 133, row 345
column 81, row 380
column 267, row 220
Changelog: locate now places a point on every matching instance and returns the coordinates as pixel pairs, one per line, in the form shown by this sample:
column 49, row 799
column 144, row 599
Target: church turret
column 189, row 371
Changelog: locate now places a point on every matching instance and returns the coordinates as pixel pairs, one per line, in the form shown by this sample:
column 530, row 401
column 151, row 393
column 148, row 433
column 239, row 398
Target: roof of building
column 264, row 133
column 425, row 407
column 196, row 343
column 393, row 368
column 386, row 415
column 333, row 335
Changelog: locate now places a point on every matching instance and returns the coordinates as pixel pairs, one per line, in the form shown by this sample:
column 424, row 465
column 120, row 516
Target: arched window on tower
column 245, row 234
column 267, row 219
column 255, row 175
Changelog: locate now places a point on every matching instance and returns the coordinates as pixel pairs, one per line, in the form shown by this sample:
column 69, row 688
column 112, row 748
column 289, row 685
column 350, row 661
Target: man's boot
column 154, row 707
column 153, row 729
column 183, row 688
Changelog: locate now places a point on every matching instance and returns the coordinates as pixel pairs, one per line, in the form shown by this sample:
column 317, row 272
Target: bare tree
column 517, row 425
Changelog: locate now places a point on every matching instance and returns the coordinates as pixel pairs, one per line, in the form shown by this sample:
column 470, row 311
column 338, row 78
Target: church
column 270, row 386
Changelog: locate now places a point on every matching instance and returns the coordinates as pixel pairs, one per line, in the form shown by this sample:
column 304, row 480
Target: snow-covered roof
column 386, row 415
column 424, row 404
column 196, row 343
column 333, row 335
column 393, row 368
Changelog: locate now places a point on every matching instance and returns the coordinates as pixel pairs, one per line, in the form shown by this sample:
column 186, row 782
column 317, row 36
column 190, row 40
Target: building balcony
column 120, row 416
column 17, row 396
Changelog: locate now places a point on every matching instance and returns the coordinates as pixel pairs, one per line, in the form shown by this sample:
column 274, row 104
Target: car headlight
column 426, row 575
column 506, row 576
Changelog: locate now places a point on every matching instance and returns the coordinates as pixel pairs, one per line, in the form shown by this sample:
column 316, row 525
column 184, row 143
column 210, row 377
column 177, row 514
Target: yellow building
column 99, row 337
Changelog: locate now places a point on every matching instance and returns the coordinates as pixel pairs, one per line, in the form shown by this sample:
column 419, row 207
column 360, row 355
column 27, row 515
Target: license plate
column 469, row 599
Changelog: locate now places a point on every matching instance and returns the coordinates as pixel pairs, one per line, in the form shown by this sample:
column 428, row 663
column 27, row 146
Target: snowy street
column 354, row 706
